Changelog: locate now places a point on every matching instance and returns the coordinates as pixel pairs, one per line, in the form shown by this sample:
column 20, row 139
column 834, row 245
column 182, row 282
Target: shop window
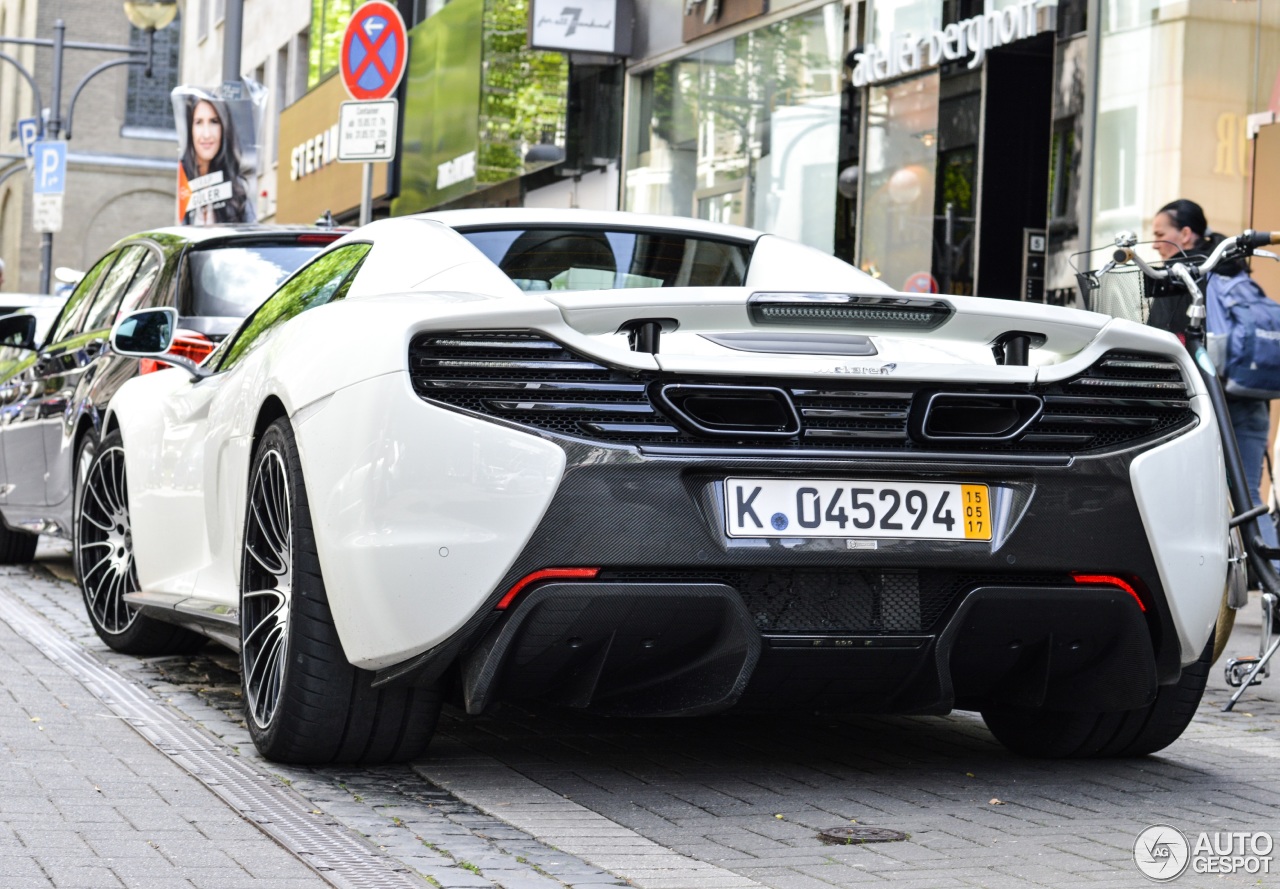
column 328, row 23
column 1064, row 170
column 1073, row 17
column 1117, row 159
column 147, row 102
column 746, row 131
column 425, row 9
column 1121, row 15
column 897, row 224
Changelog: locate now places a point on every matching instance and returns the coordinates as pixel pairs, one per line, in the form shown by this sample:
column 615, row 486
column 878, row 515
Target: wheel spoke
column 274, row 544
column 273, row 529
column 106, row 511
column 267, row 566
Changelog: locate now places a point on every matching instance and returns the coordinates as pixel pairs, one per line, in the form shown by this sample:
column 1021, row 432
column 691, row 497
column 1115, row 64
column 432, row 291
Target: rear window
column 539, row 259
column 232, row 281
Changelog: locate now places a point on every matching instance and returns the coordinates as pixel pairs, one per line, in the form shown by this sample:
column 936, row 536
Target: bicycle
column 1129, row 287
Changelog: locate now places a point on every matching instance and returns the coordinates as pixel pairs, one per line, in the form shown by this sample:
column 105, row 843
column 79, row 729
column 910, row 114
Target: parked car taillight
column 186, row 344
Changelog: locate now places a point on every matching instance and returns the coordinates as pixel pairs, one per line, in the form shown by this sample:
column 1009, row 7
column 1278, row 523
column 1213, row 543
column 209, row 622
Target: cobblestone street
column 526, row 798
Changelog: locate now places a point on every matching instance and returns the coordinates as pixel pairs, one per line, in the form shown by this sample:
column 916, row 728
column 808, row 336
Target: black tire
column 1056, row 734
column 86, row 449
column 304, row 701
column 17, row 547
column 104, row 549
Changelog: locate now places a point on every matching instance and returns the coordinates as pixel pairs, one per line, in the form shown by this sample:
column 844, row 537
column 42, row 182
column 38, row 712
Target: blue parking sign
column 50, row 167
column 28, row 133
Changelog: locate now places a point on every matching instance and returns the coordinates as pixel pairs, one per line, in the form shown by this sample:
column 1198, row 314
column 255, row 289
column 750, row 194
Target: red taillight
column 320, row 239
column 186, row 344
column 1110, row 580
column 544, row 575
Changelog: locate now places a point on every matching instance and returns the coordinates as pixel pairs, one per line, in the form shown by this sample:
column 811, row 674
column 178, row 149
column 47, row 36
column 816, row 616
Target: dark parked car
column 54, row 387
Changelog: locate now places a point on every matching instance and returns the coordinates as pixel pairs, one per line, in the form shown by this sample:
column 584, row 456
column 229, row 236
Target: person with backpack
column 1243, row 327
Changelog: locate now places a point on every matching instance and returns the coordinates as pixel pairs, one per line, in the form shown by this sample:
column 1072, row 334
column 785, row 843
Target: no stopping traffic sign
column 375, row 49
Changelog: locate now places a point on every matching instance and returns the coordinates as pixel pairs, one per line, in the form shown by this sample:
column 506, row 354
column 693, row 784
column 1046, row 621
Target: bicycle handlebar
column 1253, row 239
column 1245, row 242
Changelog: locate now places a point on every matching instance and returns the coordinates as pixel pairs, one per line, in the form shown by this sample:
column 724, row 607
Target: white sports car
column 648, row 466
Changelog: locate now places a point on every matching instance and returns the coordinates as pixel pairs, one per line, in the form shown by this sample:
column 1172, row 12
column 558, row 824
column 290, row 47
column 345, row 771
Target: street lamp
column 148, row 15
column 151, row 15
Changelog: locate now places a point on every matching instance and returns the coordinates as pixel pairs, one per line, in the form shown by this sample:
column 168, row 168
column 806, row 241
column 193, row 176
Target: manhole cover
column 850, row 836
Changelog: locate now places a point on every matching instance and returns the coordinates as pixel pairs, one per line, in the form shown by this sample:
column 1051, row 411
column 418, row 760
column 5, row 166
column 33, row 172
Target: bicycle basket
column 1120, row 293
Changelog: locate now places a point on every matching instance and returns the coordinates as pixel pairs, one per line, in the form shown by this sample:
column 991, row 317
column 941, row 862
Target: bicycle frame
column 1244, row 671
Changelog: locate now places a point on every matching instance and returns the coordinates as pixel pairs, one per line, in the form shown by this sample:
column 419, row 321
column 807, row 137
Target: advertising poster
column 218, row 133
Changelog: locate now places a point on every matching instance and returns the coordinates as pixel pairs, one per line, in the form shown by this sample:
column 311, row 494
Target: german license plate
column 759, row 507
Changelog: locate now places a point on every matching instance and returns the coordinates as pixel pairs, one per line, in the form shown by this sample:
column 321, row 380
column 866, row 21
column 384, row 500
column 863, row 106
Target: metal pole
column 366, row 195
column 1088, row 152
column 51, row 133
column 232, row 37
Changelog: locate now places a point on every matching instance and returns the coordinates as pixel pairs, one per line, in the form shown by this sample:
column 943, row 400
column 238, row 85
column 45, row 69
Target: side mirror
column 147, row 333
column 18, row 330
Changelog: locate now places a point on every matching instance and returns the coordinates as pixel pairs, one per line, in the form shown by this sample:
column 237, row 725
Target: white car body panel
column 394, row 482
column 418, row 517
column 1191, row 521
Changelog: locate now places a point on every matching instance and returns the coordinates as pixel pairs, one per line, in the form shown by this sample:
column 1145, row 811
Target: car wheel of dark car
column 306, row 703
column 105, row 563
column 1059, row 734
column 85, row 452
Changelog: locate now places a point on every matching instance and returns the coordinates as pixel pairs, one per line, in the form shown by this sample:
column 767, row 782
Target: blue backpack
column 1244, row 336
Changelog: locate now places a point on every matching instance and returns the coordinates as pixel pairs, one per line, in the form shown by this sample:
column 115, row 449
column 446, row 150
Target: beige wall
column 17, row 19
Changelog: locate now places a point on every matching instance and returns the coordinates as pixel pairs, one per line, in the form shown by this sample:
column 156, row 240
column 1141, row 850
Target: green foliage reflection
column 323, row 281
column 524, row 93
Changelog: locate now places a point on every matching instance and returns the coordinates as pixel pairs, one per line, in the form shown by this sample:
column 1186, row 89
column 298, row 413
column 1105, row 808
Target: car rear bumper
column 681, row 618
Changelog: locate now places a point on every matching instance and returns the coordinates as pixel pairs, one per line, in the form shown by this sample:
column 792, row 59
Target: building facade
column 121, row 154
column 959, row 146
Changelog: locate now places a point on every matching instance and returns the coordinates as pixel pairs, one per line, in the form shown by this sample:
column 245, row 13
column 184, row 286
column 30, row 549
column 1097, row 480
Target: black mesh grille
column 815, row 602
column 527, row 378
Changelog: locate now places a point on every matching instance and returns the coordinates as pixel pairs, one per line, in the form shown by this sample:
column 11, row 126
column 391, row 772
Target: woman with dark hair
column 211, row 163
column 1181, row 231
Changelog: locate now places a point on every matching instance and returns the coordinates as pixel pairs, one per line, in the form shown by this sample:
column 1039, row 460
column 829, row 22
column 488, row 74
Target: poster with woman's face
column 218, row 141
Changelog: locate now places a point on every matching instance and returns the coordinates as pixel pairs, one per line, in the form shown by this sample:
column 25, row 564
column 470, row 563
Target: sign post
column 49, row 184
column 375, row 52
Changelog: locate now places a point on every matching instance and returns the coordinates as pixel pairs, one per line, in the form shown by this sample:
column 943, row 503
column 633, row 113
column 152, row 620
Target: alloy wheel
column 268, row 588
column 104, row 544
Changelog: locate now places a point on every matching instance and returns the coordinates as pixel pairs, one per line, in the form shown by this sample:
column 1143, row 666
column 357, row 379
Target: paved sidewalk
column 527, row 798
column 86, row 802
column 360, row 827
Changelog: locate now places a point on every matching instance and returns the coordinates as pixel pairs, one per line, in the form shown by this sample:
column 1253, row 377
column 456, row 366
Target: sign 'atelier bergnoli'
column 909, row 53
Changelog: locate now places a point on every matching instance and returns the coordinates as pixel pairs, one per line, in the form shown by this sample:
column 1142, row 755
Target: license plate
column 758, row 507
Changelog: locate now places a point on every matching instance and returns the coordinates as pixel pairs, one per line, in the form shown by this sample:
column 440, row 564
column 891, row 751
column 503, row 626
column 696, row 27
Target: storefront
column 509, row 101
column 741, row 123
column 959, row 146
